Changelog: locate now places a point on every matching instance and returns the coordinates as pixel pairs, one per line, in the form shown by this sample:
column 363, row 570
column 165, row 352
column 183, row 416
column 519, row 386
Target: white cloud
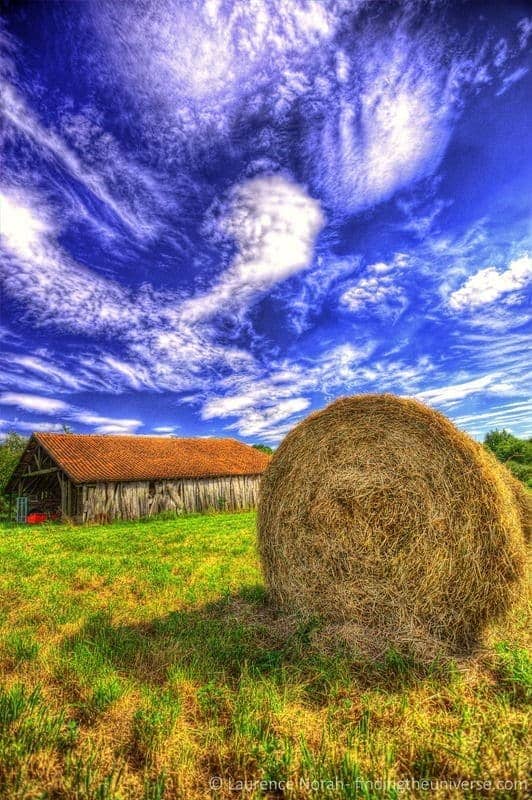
column 58, row 289
column 47, row 405
column 32, row 402
column 165, row 429
column 44, row 372
column 261, row 422
column 30, row 427
column 376, row 119
column 389, row 126
column 169, row 341
column 512, row 78
column 524, row 27
column 269, row 404
column 421, row 218
column 490, row 284
column 377, row 113
column 378, row 291
column 274, row 224
column 134, row 375
column 23, row 230
column 218, row 407
column 304, row 299
column 500, row 53
column 260, row 405
column 102, row 424
column 198, row 62
column 118, row 429
column 508, row 354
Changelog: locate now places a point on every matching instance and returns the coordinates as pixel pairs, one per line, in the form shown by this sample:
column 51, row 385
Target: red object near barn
column 35, row 519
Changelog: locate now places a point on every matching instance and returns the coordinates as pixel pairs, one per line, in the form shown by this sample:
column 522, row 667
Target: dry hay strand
column 378, row 512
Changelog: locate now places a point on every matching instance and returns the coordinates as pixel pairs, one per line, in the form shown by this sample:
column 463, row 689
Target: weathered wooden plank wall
column 103, row 502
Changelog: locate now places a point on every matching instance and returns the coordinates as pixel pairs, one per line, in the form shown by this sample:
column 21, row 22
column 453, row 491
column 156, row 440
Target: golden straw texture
column 378, row 514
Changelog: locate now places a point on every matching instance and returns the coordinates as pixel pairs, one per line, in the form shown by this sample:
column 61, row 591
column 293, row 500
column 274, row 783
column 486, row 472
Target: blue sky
column 217, row 216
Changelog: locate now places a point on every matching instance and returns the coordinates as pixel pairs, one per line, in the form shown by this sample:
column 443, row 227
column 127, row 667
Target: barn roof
column 87, row 458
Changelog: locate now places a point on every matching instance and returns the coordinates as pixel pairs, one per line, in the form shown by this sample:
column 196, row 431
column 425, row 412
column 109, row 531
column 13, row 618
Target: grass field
column 141, row 660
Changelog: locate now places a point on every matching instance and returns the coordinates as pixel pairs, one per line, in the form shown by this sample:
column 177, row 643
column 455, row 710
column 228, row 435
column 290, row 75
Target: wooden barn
column 86, row 477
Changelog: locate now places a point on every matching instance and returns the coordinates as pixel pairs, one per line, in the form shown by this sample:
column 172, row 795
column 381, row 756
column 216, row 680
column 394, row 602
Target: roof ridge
column 89, row 457
column 139, row 436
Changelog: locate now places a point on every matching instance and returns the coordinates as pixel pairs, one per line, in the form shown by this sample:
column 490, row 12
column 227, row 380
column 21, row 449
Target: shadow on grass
column 239, row 634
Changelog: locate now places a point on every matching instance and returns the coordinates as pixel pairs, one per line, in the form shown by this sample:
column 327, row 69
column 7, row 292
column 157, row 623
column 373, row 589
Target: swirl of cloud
column 371, row 94
column 273, row 223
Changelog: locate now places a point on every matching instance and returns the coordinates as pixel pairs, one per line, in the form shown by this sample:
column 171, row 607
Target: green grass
column 140, row 660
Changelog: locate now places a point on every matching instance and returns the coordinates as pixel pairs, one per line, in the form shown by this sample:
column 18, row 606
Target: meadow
column 142, row 660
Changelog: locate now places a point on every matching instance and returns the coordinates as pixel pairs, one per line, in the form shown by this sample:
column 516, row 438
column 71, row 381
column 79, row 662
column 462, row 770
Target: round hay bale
column 523, row 500
column 377, row 513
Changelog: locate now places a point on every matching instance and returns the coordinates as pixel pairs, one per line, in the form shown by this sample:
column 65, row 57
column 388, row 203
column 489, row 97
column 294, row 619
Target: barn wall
column 103, row 502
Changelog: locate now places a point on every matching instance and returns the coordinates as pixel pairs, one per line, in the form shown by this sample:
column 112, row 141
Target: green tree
column 264, row 448
column 10, row 451
column 515, row 453
column 505, row 445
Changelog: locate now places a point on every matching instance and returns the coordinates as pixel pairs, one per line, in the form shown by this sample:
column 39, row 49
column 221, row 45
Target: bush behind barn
column 11, row 448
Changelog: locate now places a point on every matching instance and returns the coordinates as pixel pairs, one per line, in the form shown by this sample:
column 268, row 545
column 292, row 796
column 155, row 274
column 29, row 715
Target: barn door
column 22, row 509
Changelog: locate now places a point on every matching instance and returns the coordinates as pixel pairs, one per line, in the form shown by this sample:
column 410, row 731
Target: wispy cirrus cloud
column 203, row 61
column 492, row 383
column 272, row 220
column 512, row 78
column 377, row 108
column 27, row 427
column 18, row 116
column 265, row 421
column 106, row 425
column 169, row 340
column 251, row 400
column 514, row 417
column 45, row 370
column 56, row 289
column 392, row 123
column 39, row 404
column 99, row 182
column 148, row 327
column 524, row 26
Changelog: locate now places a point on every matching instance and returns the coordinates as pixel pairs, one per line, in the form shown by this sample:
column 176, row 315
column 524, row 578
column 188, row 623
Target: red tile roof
column 89, row 458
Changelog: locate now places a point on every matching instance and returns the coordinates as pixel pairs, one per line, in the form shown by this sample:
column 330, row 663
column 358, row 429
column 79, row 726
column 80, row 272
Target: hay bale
column 377, row 513
column 523, row 500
